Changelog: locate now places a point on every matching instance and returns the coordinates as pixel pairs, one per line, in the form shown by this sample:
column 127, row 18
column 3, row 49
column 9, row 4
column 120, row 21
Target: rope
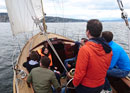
column 20, row 13
column 52, row 47
column 28, row 7
column 55, row 10
column 37, row 22
column 64, row 32
column 49, row 42
column 124, row 16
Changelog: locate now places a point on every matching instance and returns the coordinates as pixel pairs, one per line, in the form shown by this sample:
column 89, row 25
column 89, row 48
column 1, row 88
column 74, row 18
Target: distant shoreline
column 50, row 19
column 4, row 18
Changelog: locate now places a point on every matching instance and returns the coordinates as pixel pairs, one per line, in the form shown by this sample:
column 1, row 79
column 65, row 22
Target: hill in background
column 4, row 18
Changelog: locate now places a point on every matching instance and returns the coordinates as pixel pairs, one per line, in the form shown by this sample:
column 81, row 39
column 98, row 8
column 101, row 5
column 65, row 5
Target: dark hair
column 107, row 35
column 43, row 49
column 95, row 27
column 33, row 56
column 45, row 61
column 84, row 39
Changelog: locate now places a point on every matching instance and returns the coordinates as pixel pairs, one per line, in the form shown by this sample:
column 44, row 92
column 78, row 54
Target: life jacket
column 40, row 53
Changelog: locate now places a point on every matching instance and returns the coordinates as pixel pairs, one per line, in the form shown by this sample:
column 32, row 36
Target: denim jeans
column 83, row 89
column 115, row 72
column 66, row 64
column 67, row 60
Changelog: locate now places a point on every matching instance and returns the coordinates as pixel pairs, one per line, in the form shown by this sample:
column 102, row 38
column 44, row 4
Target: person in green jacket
column 43, row 78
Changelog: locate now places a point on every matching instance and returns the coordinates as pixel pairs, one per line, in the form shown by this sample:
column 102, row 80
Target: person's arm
column 29, row 79
column 124, row 61
column 55, row 83
column 115, row 58
column 81, row 66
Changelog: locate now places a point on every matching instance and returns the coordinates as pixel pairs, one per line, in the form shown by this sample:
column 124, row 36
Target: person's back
column 120, row 63
column 119, row 58
column 42, row 78
column 97, row 66
column 32, row 61
column 93, row 61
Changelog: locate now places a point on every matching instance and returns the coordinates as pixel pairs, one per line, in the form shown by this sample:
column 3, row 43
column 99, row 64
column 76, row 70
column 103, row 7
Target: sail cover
column 21, row 14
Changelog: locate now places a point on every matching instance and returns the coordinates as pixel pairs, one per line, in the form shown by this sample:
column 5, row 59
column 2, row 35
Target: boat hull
column 19, row 84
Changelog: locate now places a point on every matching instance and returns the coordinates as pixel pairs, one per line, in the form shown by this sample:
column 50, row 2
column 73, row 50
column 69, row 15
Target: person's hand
column 68, row 75
column 72, row 44
column 55, row 68
column 58, row 72
column 69, row 66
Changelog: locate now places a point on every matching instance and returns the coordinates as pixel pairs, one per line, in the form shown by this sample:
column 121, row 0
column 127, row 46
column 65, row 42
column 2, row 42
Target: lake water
column 75, row 31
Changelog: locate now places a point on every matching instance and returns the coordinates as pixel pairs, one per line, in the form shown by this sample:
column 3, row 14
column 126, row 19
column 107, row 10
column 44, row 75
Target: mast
column 44, row 22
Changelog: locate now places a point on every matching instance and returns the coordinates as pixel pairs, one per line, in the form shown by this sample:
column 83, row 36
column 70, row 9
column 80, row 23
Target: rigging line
column 15, row 38
column 30, row 10
column 55, row 10
column 52, row 47
column 24, row 16
column 49, row 42
column 28, row 7
column 64, row 32
column 31, row 44
column 54, row 5
column 25, row 23
column 18, row 44
column 123, row 13
column 20, row 13
column 125, row 17
column 33, row 8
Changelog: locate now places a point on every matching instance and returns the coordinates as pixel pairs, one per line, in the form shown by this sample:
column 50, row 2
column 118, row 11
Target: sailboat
column 26, row 16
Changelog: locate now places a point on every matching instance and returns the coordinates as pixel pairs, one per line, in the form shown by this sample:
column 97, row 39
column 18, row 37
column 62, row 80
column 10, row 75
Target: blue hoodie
column 119, row 58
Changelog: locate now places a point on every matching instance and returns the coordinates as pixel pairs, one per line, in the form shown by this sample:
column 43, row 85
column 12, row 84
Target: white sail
column 21, row 14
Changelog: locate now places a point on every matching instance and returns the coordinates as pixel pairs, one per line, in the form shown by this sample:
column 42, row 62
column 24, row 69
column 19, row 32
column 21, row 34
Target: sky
column 82, row 9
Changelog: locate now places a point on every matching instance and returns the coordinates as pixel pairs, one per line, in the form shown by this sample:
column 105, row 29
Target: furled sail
column 21, row 14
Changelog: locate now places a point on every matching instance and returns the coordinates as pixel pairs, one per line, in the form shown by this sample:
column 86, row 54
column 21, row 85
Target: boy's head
column 33, row 56
column 45, row 61
column 107, row 35
column 94, row 28
column 83, row 41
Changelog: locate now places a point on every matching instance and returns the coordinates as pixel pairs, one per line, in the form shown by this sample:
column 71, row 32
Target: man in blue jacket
column 120, row 63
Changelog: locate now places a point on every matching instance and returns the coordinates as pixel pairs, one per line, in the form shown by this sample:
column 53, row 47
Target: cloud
column 84, row 9
column 2, row 4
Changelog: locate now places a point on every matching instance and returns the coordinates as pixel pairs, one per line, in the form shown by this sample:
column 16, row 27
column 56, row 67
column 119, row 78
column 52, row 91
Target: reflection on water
column 74, row 31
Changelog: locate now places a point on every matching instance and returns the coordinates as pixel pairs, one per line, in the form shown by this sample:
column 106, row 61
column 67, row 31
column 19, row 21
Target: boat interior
column 65, row 50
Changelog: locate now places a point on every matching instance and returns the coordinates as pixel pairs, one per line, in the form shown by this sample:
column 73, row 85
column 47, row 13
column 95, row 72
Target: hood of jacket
column 99, row 46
